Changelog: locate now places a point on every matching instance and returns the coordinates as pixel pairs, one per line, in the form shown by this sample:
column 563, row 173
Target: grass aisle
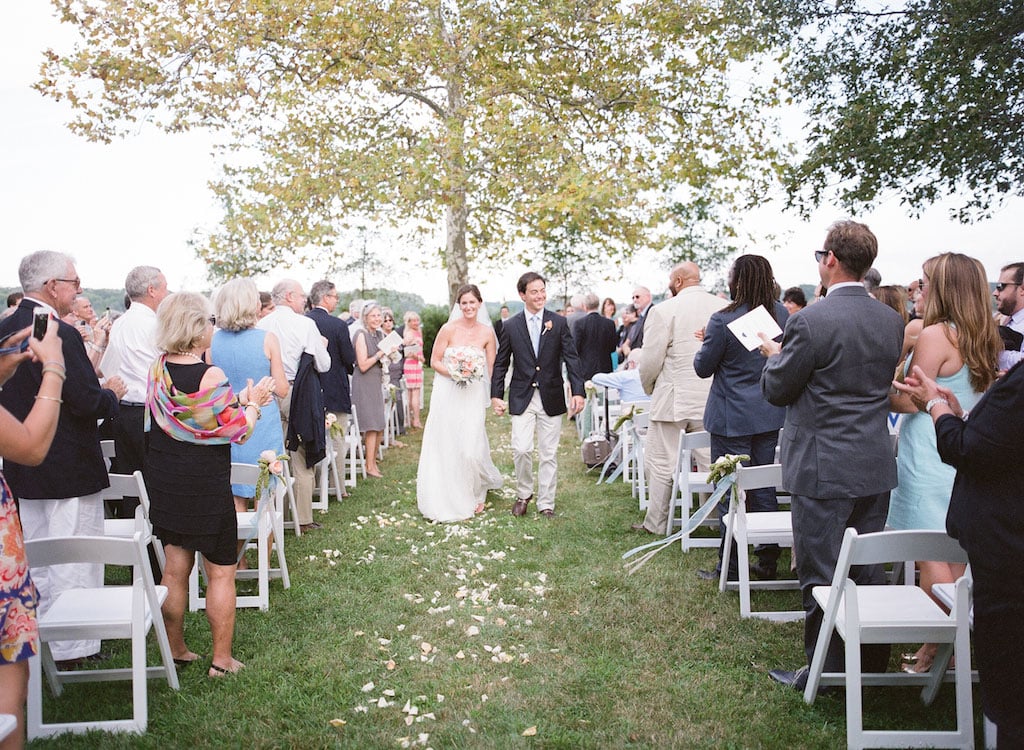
column 494, row 633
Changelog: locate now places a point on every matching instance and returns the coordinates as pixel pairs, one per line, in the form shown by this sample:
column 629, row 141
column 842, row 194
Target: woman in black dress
column 192, row 417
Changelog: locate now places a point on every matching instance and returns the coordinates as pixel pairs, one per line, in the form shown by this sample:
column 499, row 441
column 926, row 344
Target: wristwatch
column 932, row 402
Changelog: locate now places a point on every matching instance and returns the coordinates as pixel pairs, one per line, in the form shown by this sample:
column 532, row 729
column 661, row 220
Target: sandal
column 216, row 672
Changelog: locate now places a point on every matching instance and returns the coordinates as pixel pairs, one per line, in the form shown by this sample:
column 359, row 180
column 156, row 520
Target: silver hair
column 39, row 267
column 139, row 280
column 356, row 305
column 591, row 302
column 369, row 305
column 281, row 289
column 319, row 290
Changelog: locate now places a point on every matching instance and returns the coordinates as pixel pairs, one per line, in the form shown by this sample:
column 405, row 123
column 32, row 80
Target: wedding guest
column 958, row 347
column 367, row 381
column 26, row 442
column 794, row 299
column 609, row 309
column 413, row 371
column 396, row 366
column 298, row 336
column 628, row 333
column 61, row 495
column 334, row 382
column 625, row 380
column 677, row 393
column 896, row 298
column 739, row 418
column 266, row 304
column 195, row 415
column 594, row 336
column 12, row 304
column 642, row 302
column 244, row 352
column 986, row 514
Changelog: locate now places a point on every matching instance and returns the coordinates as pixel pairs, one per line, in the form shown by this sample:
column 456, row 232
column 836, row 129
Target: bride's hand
column 498, row 405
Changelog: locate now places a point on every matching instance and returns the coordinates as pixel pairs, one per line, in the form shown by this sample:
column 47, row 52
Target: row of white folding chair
column 327, row 470
column 104, row 612
column 262, row 528
column 751, row 529
column 355, row 454
column 895, row 613
column 124, row 486
column 637, row 428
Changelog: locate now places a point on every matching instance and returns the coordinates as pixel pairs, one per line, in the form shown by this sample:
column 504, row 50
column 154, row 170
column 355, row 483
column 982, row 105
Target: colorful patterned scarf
column 211, row 415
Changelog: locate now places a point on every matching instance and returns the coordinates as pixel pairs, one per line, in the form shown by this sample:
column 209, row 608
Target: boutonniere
column 547, row 327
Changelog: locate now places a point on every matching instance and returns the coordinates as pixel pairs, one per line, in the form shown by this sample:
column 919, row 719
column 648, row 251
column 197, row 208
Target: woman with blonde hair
column 958, row 348
column 193, row 415
column 413, row 366
column 243, row 351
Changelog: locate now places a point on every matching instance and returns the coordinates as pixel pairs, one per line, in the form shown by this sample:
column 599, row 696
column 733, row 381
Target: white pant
column 73, row 516
column 536, row 422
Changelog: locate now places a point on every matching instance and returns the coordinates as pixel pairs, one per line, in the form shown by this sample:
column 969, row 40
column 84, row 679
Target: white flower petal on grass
column 389, row 664
column 478, row 618
column 368, row 687
column 360, row 709
column 530, row 732
column 382, row 702
column 338, row 722
column 460, row 655
column 389, row 693
column 472, row 630
column 426, row 648
column 440, row 698
column 400, row 628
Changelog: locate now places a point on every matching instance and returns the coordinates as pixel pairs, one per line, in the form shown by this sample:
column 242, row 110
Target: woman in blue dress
column 957, row 348
column 243, row 351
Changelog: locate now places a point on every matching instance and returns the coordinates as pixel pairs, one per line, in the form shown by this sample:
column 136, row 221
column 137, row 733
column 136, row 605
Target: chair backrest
column 690, row 441
column 756, row 477
column 244, row 473
column 127, row 485
column 897, row 546
column 109, row 451
column 107, row 550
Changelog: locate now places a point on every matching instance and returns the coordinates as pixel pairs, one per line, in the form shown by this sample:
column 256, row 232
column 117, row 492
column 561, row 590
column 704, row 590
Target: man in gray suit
column 833, row 372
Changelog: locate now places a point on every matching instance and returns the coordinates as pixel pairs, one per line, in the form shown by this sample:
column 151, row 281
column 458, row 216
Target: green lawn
column 495, row 633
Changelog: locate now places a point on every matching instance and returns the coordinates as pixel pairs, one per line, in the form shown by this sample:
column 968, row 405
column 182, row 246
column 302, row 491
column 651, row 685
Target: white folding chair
column 687, row 482
column 355, row 457
column 7, row 725
column 106, row 612
column 327, row 470
column 262, row 528
column 749, row 529
column 108, row 450
column 289, row 492
column 126, row 486
column 889, row 613
column 638, row 426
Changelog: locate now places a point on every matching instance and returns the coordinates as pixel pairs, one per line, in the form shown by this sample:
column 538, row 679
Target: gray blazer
column 834, row 372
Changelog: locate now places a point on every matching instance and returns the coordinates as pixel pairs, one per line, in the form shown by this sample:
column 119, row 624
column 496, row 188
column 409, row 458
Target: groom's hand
column 577, row 405
column 498, row 405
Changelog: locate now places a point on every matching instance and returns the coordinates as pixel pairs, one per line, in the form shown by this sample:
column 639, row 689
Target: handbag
column 596, row 448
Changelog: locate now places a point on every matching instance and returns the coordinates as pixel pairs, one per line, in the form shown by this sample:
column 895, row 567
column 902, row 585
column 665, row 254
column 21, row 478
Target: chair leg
column 854, row 696
column 34, row 707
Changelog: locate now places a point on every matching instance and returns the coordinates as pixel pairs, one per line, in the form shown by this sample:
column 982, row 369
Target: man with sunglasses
column 1009, row 295
column 833, row 371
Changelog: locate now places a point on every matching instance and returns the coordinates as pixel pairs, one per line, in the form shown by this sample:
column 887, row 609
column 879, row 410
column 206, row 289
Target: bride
column 455, row 469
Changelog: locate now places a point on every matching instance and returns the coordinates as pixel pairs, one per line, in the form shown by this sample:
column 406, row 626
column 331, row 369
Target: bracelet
column 59, row 373
column 254, row 405
column 49, row 398
column 96, row 348
column 933, row 402
column 55, row 363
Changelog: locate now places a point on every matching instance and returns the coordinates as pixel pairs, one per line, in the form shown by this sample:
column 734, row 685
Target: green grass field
column 495, row 633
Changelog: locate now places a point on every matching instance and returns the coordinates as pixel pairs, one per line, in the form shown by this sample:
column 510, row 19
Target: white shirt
column 131, row 350
column 626, row 382
column 297, row 334
column 1008, row 359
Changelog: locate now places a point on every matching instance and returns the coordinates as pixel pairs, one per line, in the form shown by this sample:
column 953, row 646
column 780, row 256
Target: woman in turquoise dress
column 242, row 352
column 957, row 347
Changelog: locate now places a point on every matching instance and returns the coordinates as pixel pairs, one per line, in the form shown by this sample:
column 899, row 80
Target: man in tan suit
column 677, row 394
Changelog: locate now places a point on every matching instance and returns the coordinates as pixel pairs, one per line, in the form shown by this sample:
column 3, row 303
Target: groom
column 538, row 342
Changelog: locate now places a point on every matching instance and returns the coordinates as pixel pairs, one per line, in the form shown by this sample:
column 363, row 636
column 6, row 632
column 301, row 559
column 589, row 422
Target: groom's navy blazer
column 542, row 371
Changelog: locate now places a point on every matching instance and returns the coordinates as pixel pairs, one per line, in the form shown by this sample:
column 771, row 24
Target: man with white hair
column 131, row 350
column 355, row 316
column 298, row 335
column 60, row 496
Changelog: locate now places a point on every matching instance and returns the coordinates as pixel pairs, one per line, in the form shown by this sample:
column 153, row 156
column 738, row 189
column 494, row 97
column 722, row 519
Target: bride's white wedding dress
column 455, row 469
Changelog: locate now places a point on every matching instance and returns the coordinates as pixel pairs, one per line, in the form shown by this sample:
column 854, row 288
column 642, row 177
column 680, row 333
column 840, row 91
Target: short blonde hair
column 237, row 305
column 410, row 315
column 181, row 321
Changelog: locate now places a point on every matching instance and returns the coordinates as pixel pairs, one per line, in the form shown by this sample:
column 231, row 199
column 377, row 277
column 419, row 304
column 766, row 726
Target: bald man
column 678, row 395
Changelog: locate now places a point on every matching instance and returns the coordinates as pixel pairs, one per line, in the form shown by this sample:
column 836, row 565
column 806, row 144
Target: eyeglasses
column 819, row 255
column 213, row 320
column 389, row 320
column 75, row 282
column 636, row 296
column 1003, row 284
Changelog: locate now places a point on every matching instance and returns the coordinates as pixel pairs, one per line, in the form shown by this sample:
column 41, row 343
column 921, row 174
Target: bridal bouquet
column 465, row 364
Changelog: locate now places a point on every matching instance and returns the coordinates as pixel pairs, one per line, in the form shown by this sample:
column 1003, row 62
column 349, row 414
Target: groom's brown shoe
column 519, row 508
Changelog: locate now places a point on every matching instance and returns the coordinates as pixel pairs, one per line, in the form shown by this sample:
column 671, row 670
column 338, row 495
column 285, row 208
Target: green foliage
column 501, row 121
column 399, row 302
column 922, row 101
column 432, row 317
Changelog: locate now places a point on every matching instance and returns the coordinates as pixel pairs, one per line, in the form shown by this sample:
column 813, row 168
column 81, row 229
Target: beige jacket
column 666, row 360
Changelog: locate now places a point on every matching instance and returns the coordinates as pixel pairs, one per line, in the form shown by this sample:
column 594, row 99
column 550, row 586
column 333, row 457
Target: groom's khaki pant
column 536, row 422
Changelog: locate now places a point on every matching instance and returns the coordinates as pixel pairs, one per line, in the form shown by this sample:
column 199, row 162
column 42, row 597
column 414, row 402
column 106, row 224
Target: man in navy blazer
column 595, row 339
column 536, row 342
column 59, row 497
column 323, row 295
column 833, row 373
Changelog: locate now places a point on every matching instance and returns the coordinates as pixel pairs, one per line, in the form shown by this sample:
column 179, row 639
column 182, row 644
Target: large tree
column 921, row 99
column 501, row 120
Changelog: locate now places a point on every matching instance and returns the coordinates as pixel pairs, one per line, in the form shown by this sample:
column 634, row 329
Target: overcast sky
column 138, row 200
